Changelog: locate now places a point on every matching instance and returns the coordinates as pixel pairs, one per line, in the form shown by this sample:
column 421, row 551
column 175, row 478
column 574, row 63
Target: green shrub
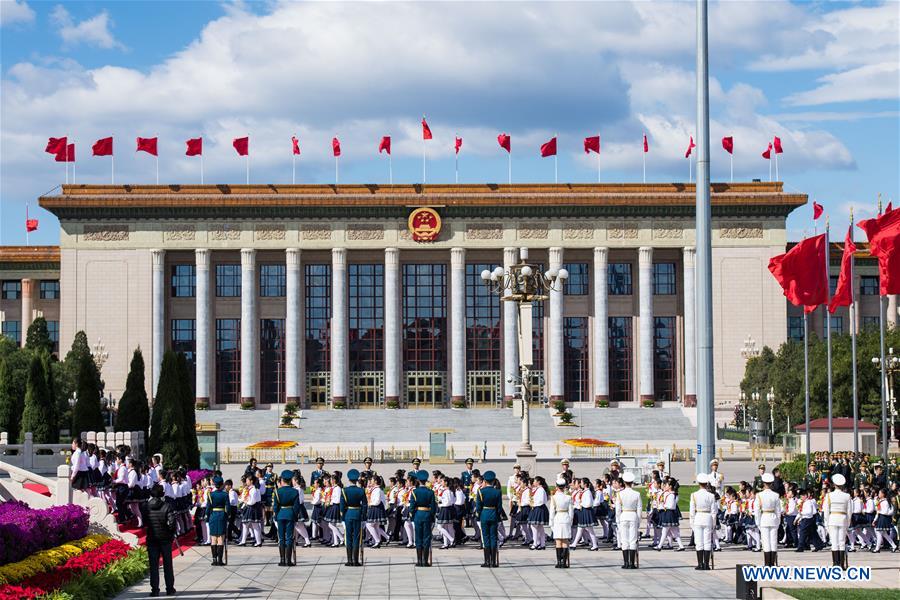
column 793, row 470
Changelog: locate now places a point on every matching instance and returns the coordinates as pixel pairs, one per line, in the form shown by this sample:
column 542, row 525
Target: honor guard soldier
column 703, row 521
column 716, row 479
column 758, row 480
column 812, row 481
column 353, row 501
column 767, row 512
column 422, row 507
column 286, row 509
column 488, row 502
column 628, row 520
column 837, row 519
column 368, row 473
column 218, row 508
column 319, row 471
column 416, row 471
column 566, row 473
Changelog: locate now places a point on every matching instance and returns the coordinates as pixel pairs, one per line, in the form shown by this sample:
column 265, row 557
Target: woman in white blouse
column 539, row 516
column 79, row 465
column 562, row 513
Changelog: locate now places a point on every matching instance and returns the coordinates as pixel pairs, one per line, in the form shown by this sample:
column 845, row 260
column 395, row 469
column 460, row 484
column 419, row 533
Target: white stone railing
column 27, row 456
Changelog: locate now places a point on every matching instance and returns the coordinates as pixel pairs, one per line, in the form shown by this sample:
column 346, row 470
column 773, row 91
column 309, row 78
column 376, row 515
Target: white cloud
column 93, row 32
column 870, row 82
column 15, row 11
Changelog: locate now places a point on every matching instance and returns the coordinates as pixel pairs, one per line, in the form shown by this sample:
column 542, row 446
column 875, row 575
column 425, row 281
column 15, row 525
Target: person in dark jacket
column 160, row 522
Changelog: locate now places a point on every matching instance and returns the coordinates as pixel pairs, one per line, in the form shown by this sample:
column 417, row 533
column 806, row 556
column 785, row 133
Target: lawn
column 841, row 594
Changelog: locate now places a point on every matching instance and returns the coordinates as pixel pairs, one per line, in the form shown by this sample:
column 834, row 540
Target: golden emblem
column 424, row 224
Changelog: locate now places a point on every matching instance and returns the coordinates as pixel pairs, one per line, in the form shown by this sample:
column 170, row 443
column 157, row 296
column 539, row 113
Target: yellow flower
column 45, row 560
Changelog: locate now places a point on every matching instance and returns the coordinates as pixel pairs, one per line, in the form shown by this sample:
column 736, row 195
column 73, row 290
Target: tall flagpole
column 770, row 166
column 556, row 161
column 456, row 157
column 201, row 168
column 509, row 164
column 731, row 156
column 27, row 233
column 644, row 158
column 690, row 169
column 806, row 378
column 423, row 149
column 248, row 159
column 853, row 308
column 157, row 161
column 828, row 335
column 598, row 157
column 336, row 171
column 884, row 382
column 112, row 161
column 73, row 162
column 776, row 163
column 293, row 168
column 390, row 170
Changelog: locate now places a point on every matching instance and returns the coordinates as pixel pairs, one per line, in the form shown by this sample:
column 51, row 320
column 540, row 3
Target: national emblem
column 424, row 224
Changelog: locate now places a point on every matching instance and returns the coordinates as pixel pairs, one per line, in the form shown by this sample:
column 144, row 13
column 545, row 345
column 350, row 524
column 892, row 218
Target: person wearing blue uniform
column 319, row 472
column 286, row 509
column 416, row 471
column 422, row 507
column 488, row 501
column 218, row 508
column 353, row 503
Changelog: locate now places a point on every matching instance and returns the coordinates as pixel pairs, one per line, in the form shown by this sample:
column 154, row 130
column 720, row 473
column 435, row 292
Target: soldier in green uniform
column 422, row 507
column 757, row 481
column 218, row 509
column 286, row 509
column 488, row 501
column 417, row 470
column 862, row 477
column 813, row 479
column 353, row 502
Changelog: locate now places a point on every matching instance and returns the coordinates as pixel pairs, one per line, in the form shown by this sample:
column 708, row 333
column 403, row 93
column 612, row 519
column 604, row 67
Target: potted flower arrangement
column 248, row 405
column 202, row 404
column 603, row 403
column 565, row 420
column 648, row 402
column 393, row 403
column 560, row 407
column 290, row 413
column 459, row 403
column 339, row 404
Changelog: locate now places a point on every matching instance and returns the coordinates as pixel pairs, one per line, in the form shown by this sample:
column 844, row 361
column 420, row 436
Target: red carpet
column 37, row 488
column 188, row 540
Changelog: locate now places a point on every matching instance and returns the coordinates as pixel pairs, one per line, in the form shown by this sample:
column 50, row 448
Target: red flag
column 818, row 209
column 592, row 144
column 103, row 147
column 30, row 224
column 801, row 273
column 66, row 154
column 888, row 208
column 504, row 141
column 728, row 144
column 295, row 145
column 776, row 143
column 691, row 146
column 884, row 244
column 56, row 145
column 195, row 147
column 147, row 145
column 843, row 293
column 385, row 145
column 426, row 130
column 458, row 144
column 549, row 148
column 646, row 145
column 768, row 153
column 242, row 145
column 336, row 146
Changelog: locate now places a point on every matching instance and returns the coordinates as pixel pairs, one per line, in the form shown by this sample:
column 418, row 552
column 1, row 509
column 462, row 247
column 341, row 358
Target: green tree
column 167, row 417
column 134, row 410
column 88, row 413
column 66, row 378
column 187, row 407
column 757, row 379
column 37, row 417
column 38, row 337
column 48, row 360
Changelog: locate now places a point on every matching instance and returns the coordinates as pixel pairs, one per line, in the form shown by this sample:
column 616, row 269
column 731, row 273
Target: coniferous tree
column 38, row 337
column 134, row 410
column 37, row 417
column 167, row 416
column 88, row 413
column 10, row 399
column 48, row 360
column 191, row 446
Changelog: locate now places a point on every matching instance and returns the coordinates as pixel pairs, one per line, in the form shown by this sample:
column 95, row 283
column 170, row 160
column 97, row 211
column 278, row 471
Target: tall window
column 832, row 284
column 537, row 336
column 870, row 322
column 272, row 281
column 482, row 321
column 795, row 328
column 53, row 331
column 425, row 317
column 664, row 279
column 575, row 356
column 184, row 341
column 318, row 317
column 271, row 350
column 578, row 283
column 184, row 281
column 837, row 325
column 13, row 330
column 664, row 380
column 868, row 285
column 228, row 360
column 620, row 352
column 228, row 281
column 618, row 279
column 11, row 289
column 366, row 317
column 50, row 289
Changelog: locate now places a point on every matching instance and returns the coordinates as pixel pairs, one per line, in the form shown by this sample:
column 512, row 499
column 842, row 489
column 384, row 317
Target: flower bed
column 24, row 530
column 196, row 475
column 589, row 443
column 272, row 445
column 45, row 560
column 108, row 581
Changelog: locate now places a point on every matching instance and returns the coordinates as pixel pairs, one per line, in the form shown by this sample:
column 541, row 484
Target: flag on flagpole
column 776, row 145
column 295, row 145
column 592, row 144
column 66, row 153
column 801, row 273
column 818, row 209
column 728, row 144
column 458, row 144
column 426, row 130
column 335, row 146
column 103, row 147
column 504, row 141
column 548, row 148
column 295, row 152
column 385, row 145
column 194, row 147
column 768, row 152
column 646, row 147
column 889, row 207
column 30, row 224
column 148, row 145
column 883, row 233
column 843, row 293
column 242, row 145
column 56, row 145
column 691, row 146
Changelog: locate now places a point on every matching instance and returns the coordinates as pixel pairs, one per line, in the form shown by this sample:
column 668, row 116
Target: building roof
column 28, row 254
column 837, row 424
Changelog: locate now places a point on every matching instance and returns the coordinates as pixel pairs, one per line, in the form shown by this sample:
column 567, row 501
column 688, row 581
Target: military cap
column 489, row 476
column 353, row 475
column 761, row 466
column 470, row 461
column 714, row 461
column 768, row 478
column 628, row 477
column 702, row 478
column 287, row 474
column 422, row 476
column 367, row 459
column 417, row 460
column 838, row 479
column 218, row 481
column 561, row 482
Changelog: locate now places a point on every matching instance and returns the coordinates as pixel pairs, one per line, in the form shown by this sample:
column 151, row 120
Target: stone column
column 158, row 324
column 891, row 310
column 510, row 334
column 690, row 330
column 601, row 326
column 202, row 324
column 458, row 324
column 392, row 332
column 293, row 368
column 340, row 328
column 249, row 326
column 645, row 283
column 28, row 308
column 557, row 374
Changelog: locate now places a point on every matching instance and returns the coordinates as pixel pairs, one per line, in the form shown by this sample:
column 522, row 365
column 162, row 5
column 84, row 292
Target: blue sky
column 823, row 76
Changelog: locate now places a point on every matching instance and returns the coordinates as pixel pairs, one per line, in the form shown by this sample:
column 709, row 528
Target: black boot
column 558, row 557
column 281, row 562
column 699, row 566
column 566, row 557
column 356, row 561
column 835, row 561
column 626, row 558
column 349, row 562
column 487, row 558
column 844, row 563
column 220, row 555
column 634, row 564
column 289, row 555
column 418, row 557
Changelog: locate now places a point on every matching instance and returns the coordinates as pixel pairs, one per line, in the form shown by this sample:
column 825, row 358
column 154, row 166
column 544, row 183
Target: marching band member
column 806, row 521
column 403, row 496
column 703, row 503
column 512, row 493
column 562, row 513
column 837, row 518
column 376, row 515
column 857, row 519
column 668, row 517
column 251, row 511
column 628, row 520
column 767, row 512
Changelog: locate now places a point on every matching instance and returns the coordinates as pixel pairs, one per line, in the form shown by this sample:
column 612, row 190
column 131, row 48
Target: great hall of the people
column 333, row 296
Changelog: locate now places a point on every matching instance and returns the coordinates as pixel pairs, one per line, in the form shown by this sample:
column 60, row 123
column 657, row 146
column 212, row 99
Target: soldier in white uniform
column 716, row 479
column 628, row 521
column 837, row 519
column 767, row 512
column 703, row 521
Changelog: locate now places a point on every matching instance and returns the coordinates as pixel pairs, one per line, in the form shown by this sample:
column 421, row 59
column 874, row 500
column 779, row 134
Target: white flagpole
column 336, row 171
column 828, row 335
column 598, row 157
column 66, row 162
column 776, row 163
column 770, row 167
column 556, row 160
column 27, row 242
column 390, row 170
column 112, row 161
column 509, row 164
column 690, row 169
column 423, row 149
column 293, row 167
column 852, row 311
column 644, row 159
column 73, row 163
column 731, row 157
column 201, row 168
column 157, row 167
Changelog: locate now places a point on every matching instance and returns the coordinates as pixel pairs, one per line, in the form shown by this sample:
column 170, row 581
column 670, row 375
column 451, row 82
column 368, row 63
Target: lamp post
column 744, row 406
column 99, row 354
column 889, row 412
column 524, row 284
column 770, row 398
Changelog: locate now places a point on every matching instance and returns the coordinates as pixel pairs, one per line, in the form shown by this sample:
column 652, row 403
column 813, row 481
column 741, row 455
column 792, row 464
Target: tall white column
column 690, row 330
column 28, row 309
column 601, row 326
column 510, row 334
column 645, row 289
column 557, row 373
column 249, row 326
column 392, row 334
column 293, row 368
column 891, row 319
column 340, row 328
column 159, row 314
column 202, row 325
column 458, row 325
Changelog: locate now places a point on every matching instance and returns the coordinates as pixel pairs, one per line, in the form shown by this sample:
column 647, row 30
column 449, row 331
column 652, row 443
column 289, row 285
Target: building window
column 664, row 380
column 837, row 325
column 50, row 289
column 228, row 281
column 272, row 281
column 537, row 336
column 664, row 279
column 832, row 284
column 184, row 281
column 578, row 283
column 871, row 322
column 620, row 352
column 618, row 279
column 13, row 330
column 12, row 290
column 575, row 356
column 366, row 317
column 53, row 331
column 228, row 360
column 868, row 285
column 482, row 321
column 184, row 341
column 271, row 351
column 318, row 317
column 425, row 317
column 795, row 328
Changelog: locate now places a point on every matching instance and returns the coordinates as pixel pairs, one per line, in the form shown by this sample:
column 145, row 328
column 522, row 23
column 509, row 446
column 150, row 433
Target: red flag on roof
column 691, row 146
column 776, row 144
column 66, row 154
column 385, row 145
column 883, row 233
column 592, row 144
column 768, row 153
column 728, row 144
column 194, row 147
column 549, row 148
column 646, row 145
column 103, row 147
column 242, row 145
column 801, row 273
column 504, row 141
column 30, row 224
column 426, row 130
column 336, row 146
column 295, row 145
column 458, row 144
column 56, row 145
column 818, row 209
column 147, row 145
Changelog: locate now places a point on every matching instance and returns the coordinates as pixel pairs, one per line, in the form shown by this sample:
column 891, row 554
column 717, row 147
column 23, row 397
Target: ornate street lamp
column 99, row 354
column 749, row 349
column 888, row 413
column 770, row 398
